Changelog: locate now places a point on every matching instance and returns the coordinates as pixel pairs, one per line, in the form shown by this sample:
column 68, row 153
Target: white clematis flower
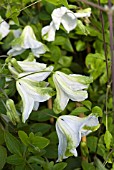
column 70, row 129
column 4, row 28
column 27, row 40
column 30, row 84
column 65, row 17
column 69, row 87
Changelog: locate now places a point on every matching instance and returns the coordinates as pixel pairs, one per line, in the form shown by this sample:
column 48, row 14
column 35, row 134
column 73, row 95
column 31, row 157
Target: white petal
column 61, row 98
column 31, row 66
column 36, row 105
column 74, row 124
column 57, row 15
column 73, row 136
column 69, row 21
column 48, row 32
column 40, row 76
column 72, row 94
column 40, row 50
column 71, row 81
column 80, row 95
column 62, row 144
column 83, row 14
column 29, row 42
column 28, row 101
column 15, row 51
column 91, row 121
column 34, row 93
column 4, row 28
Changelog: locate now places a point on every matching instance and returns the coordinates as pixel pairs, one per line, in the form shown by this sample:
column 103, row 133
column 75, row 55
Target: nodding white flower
column 65, row 17
column 4, row 28
column 69, row 87
column 30, row 84
column 27, row 40
column 70, row 129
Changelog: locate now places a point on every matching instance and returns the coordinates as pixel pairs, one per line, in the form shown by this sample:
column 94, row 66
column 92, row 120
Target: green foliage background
column 33, row 145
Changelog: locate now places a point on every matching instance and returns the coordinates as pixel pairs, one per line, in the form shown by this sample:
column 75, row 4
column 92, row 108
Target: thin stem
column 50, row 105
column 93, row 5
column 106, row 58
column 107, row 92
column 110, row 18
column 104, row 41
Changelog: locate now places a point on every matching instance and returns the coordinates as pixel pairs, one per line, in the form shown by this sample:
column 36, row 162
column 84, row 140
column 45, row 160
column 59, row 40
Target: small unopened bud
column 12, row 112
column 16, row 65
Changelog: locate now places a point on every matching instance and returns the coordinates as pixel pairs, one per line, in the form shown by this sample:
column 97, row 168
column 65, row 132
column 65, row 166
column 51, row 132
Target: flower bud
column 11, row 112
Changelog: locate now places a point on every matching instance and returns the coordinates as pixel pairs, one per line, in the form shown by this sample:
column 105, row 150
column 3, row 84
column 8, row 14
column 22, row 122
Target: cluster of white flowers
column 65, row 17
column 32, row 88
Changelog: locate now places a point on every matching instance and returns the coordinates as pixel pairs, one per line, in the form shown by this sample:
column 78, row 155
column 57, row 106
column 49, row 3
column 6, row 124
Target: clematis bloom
column 70, row 129
column 30, row 84
column 27, row 40
column 71, row 86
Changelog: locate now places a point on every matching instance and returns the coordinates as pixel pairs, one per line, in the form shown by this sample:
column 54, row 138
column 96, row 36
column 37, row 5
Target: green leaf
column 15, row 160
column 101, row 150
column 60, row 166
column 24, row 137
column 87, row 166
column 41, row 115
column 55, row 53
column 108, row 139
column 2, row 82
column 95, row 63
column 67, row 45
column 99, row 164
column 87, row 103
column 79, row 110
column 40, row 127
column 58, row 2
column 97, row 111
column 3, row 156
column 65, row 61
column 22, row 167
column 51, row 151
column 12, row 143
column 92, row 143
column 40, row 142
column 1, row 136
column 80, row 45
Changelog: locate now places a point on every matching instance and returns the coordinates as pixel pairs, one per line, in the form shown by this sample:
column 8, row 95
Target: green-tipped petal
column 27, row 40
column 70, row 129
column 28, row 101
column 34, row 66
column 69, row 87
column 61, row 98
